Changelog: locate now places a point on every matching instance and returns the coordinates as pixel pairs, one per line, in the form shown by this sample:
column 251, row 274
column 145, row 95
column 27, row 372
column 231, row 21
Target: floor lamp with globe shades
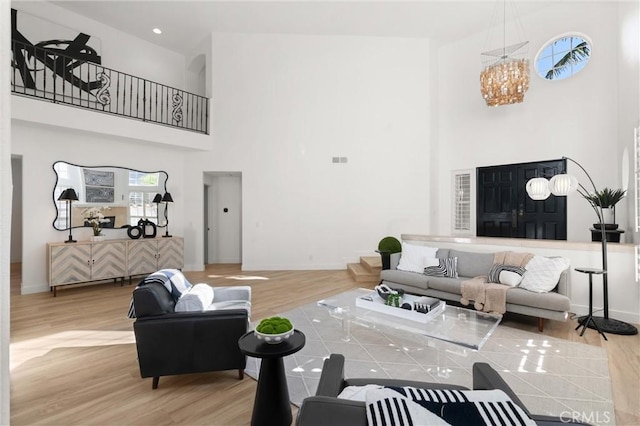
column 562, row 185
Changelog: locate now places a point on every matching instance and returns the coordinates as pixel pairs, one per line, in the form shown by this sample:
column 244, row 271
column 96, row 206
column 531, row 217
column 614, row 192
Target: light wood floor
column 74, row 360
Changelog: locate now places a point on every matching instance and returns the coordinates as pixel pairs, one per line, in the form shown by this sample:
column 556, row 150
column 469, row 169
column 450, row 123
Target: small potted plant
column 274, row 330
column 93, row 217
column 386, row 247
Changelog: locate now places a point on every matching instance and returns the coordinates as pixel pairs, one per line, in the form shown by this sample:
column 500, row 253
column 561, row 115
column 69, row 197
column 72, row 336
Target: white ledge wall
column 624, row 293
column 38, row 111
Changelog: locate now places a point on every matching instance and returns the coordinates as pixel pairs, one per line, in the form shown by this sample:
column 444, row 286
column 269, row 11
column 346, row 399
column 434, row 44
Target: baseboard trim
column 34, row 288
column 631, row 317
column 310, row 267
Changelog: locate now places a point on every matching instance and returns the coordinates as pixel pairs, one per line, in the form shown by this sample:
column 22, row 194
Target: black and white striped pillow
column 446, row 268
column 484, row 407
column 497, row 268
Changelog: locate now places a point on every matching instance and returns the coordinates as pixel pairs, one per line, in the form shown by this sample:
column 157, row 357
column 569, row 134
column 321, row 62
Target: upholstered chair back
column 152, row 299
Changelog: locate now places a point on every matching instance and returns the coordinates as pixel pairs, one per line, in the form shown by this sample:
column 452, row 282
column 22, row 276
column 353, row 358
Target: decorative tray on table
column 429, row 307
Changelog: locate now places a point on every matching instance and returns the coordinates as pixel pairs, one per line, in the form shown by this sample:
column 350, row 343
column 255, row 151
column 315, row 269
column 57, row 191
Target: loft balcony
column 48, row 75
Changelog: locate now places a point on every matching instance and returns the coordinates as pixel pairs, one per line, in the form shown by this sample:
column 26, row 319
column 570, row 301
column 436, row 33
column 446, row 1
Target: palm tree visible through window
column 563, row 57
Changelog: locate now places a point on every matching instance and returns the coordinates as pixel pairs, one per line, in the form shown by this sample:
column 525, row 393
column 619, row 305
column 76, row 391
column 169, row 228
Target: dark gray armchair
column 170, row 343
column 326, row 409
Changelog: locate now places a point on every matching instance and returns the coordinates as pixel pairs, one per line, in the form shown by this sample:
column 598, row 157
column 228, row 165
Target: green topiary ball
column 390, row 245
column 274, row 325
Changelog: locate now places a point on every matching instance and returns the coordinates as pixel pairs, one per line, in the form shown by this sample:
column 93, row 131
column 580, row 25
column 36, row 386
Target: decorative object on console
column 94, row 218
column 166, row 198
column 134, row 232
column 145, row 224
column 563, row 185
column 274, row 330
column 69, row 195
column 386, row 247
column 141, row 230
column 505, row 77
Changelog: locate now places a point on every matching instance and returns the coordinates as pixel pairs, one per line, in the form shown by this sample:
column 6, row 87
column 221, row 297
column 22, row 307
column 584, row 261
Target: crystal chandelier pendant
column 505, row 77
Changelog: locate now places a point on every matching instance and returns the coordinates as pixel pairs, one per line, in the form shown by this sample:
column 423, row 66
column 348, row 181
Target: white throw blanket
column 172, row 279
column 492, row 297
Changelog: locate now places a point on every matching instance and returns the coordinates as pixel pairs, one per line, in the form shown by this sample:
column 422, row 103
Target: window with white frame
column 142, row 189
column 462, row 202
column 563, row 56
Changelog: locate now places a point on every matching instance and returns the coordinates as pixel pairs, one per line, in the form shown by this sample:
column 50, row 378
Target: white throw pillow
column 357, row 393
column 543, row 273
column 412, row 258
column 430, row 261
column 197, row 299
column 510, row 278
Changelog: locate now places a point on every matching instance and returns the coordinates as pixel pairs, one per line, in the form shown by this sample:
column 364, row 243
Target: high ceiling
column 185, row 23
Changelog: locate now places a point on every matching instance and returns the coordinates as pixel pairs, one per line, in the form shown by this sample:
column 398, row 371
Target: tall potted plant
column 386, row 247
column 606, row 198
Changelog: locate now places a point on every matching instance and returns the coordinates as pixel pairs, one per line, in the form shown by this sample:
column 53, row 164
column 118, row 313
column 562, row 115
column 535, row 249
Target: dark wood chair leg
column 240, row 374
column 155, row 382
column 540, row 325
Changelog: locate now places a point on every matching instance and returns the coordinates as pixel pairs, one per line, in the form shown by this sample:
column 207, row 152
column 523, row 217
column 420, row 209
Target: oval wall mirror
column 123, row 196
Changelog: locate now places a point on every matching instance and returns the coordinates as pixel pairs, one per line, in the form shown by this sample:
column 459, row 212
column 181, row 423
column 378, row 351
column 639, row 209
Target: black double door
column 505, row 210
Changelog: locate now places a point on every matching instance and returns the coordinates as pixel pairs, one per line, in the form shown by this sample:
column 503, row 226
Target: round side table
column 271, row 406
column 586, row 320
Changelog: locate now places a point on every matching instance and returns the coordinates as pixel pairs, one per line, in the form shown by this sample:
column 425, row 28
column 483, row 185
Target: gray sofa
column 325, row 408
column 553, row 305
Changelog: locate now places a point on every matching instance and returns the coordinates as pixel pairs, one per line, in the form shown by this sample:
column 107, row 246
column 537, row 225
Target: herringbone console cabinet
column 72, row 263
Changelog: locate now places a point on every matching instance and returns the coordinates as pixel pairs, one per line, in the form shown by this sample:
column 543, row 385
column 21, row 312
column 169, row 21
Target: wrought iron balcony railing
column 48, row 75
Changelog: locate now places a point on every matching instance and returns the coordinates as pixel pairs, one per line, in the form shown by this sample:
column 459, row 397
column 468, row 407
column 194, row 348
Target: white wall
column 5, row 215
column 629, row 102
column 577, row 117
column 40, row 146
column 16, row 211
column 283, row 106
column 62, row 116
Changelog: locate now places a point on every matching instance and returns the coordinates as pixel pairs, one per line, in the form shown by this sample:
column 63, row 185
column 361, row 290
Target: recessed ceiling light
column 157, row 30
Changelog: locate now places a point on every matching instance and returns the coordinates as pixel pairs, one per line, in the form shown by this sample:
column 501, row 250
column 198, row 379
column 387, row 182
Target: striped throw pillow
column 497, row 269
column 395, row 406
column 446, row 268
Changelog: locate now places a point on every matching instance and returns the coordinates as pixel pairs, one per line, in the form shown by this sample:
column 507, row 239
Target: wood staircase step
column 373, row 264
column 367, row 271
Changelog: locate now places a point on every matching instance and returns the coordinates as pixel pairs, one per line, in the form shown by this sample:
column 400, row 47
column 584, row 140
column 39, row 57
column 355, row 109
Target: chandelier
column 505, row 75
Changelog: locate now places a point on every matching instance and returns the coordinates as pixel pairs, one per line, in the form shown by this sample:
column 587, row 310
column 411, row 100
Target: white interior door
column 225, row 218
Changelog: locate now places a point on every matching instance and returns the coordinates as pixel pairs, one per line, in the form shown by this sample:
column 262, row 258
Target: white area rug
column 551, row 376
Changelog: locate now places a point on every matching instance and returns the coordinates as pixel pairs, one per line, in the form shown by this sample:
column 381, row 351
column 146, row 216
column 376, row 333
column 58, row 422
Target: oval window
column 563, row 56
